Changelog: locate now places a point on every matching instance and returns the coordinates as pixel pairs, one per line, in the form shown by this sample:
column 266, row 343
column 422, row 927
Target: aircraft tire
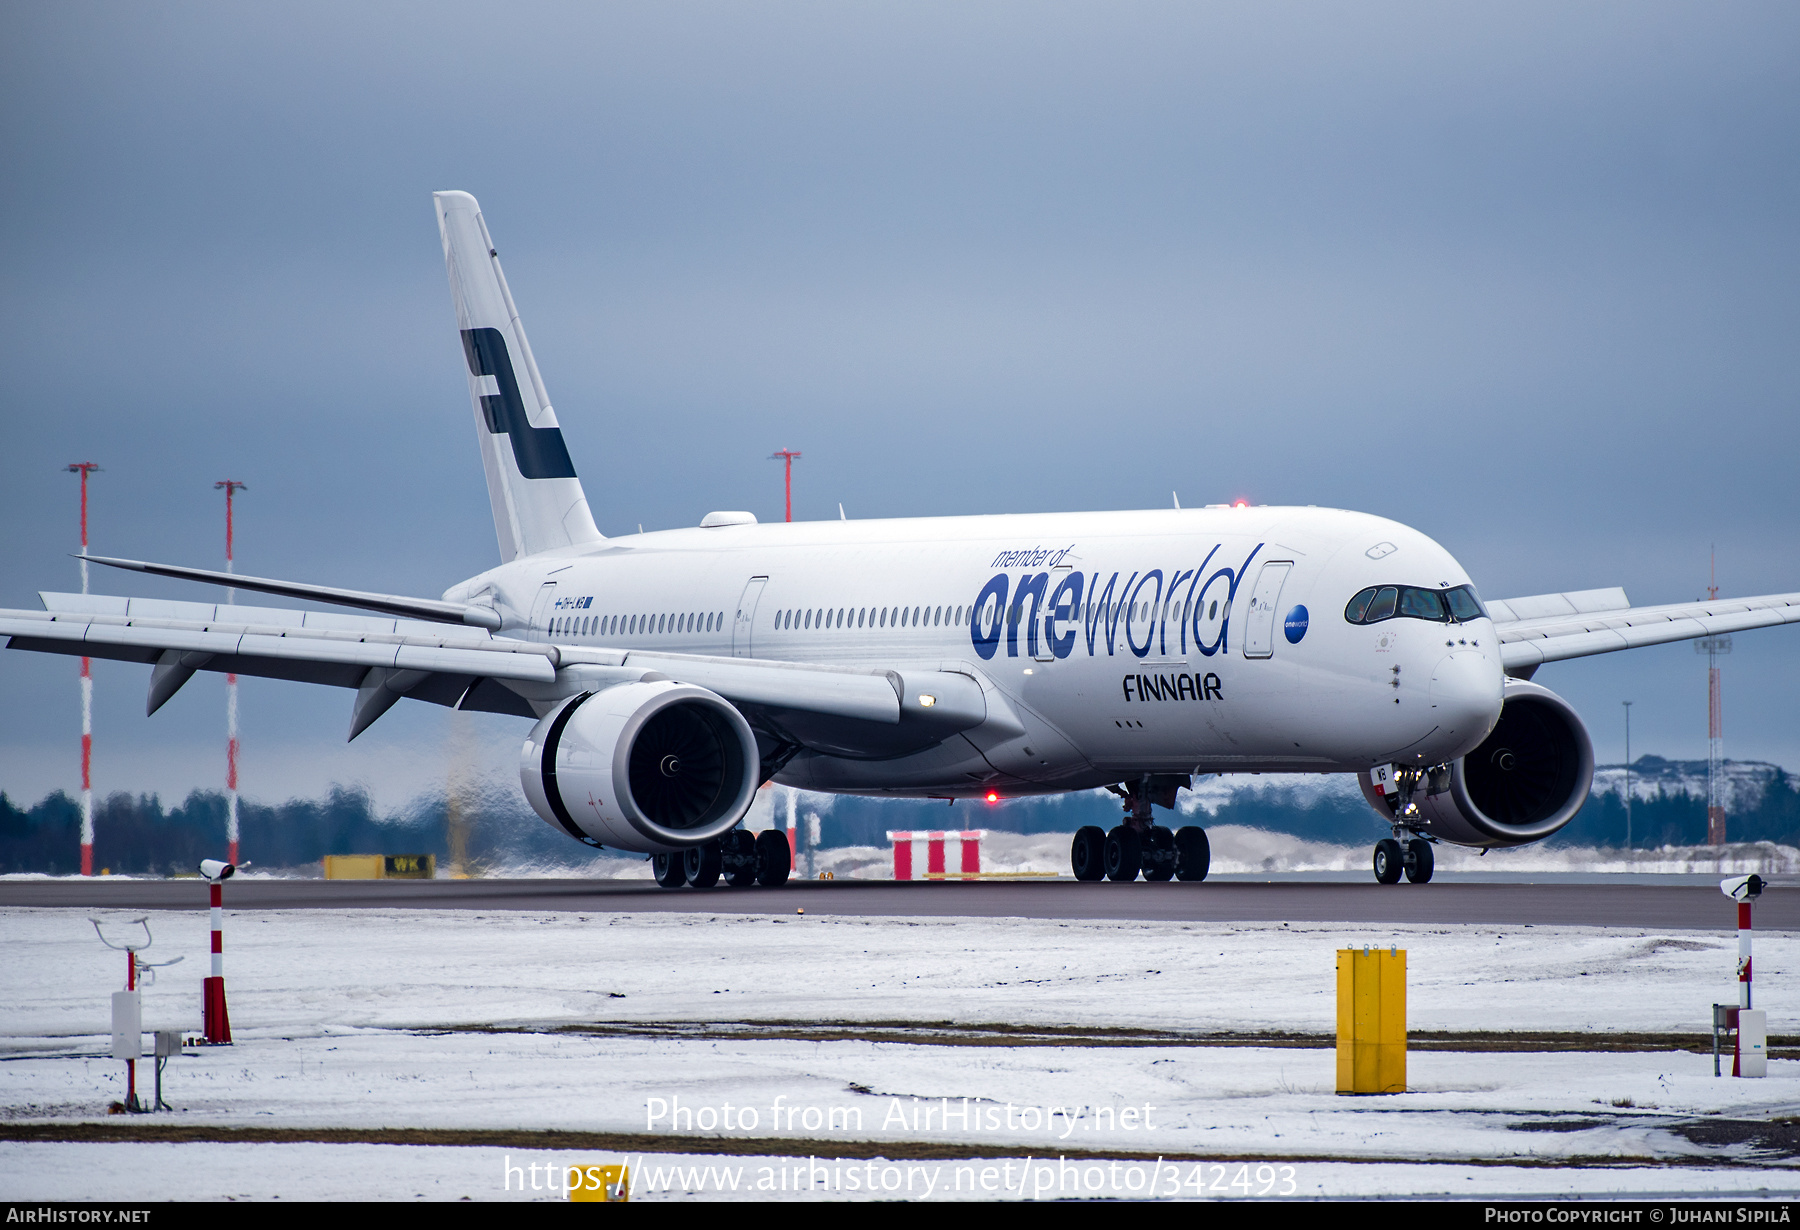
column 669, row 869
column 1124, row 855
column 1087, row 853
column 703, row 864
column 1388, row 858
column 1159, row 854
column 773, row 858
column 1420, row 861
column 1193, row 853
column 737, row 854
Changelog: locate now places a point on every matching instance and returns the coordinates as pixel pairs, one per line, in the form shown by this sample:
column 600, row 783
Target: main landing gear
column 1139, row 845
column 1411, row 858
column 739, row 858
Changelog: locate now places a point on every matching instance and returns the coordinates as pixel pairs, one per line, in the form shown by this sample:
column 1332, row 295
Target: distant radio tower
column 84, row 468
column 787, row 455
column 231, row 488
column 1713, row 647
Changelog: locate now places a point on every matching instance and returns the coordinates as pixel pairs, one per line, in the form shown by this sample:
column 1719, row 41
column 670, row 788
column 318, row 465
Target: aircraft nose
column 1467, row 691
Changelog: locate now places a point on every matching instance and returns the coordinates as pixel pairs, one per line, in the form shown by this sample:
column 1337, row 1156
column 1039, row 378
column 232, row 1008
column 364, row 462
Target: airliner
column 669, row 675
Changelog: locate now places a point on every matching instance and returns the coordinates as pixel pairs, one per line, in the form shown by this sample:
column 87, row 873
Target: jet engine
column 648, row 766
column 1526, row 780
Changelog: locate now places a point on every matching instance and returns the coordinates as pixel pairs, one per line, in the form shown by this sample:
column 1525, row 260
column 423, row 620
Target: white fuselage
column 1119, row 644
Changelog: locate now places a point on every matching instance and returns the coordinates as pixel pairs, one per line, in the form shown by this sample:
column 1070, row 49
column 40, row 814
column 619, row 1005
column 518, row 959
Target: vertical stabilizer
column 538, row 501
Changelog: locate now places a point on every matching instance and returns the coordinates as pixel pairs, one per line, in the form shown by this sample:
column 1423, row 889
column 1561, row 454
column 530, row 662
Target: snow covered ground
column 132, row 1172
column 445, row 1019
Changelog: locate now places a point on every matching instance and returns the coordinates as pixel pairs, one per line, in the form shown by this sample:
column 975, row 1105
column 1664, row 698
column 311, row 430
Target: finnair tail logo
column 539, row 451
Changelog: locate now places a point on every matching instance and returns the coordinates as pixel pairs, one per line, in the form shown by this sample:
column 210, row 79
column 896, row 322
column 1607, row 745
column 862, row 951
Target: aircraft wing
column 449, row 665
column 1553, row 627
column 388, row 604
column 467, row 668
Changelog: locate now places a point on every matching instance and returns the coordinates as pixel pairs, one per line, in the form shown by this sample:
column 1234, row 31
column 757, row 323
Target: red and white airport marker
column 231, row 487
column 84, row 468
column 216, row 1020
column 906, row 861
column 1745, row 890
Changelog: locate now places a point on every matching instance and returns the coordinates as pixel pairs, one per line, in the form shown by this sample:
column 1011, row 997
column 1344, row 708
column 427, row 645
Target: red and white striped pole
column 1744, row 954
column 84, row 468
column 216, row 1021
column 1745, row 890
column 231, row 696
column 793, row 829
column 131, row 1102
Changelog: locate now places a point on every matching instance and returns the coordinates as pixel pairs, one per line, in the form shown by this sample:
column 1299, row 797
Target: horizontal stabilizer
column 387, row 604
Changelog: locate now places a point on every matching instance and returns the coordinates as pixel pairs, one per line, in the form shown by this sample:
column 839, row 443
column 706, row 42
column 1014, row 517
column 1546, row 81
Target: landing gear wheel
column 1419, row 861
column 1159, row 854
column 737, row 856
column 1087, row 854
column 1193, row 853
column 1388, row 858
column 668, row 869
column 703, row 865
column 1124, row 856
column 773, row 858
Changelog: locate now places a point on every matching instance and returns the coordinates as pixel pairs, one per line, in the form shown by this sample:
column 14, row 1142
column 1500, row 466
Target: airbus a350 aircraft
column 671, row 674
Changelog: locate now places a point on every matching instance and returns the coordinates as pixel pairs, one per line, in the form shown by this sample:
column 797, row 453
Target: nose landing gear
column 1412, row 858
column 1408, row 852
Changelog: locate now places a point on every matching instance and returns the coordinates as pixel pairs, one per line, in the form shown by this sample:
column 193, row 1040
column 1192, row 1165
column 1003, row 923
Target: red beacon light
column 992, row 797
column 1241, row 504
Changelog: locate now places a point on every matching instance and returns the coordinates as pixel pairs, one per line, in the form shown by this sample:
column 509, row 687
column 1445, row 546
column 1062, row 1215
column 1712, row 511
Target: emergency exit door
column 744, row 622
column 1265, row 599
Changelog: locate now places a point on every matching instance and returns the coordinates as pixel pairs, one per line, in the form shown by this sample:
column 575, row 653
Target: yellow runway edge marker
column 1371, row 1028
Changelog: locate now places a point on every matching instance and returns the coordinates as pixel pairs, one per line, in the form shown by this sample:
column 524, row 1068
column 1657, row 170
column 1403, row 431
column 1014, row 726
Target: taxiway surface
column 1665, row 907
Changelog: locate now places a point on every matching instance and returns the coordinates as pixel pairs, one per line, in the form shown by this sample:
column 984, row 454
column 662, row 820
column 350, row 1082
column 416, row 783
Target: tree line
column 138, row 835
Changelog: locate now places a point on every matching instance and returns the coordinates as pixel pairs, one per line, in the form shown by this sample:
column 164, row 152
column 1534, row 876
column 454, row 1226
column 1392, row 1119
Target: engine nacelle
column 648, row 766
column 1527, row 779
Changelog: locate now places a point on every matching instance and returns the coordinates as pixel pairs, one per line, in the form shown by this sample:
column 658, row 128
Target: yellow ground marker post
column 1371, row 1028
column 600, row 1184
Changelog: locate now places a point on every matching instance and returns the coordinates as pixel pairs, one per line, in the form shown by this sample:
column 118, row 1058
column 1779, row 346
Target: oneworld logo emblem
column 1295, row 625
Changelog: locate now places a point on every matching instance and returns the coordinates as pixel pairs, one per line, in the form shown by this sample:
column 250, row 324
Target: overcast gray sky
column 1522, row 276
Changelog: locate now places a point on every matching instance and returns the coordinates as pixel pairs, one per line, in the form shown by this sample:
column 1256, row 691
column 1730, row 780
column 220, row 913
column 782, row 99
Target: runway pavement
column 1681, row 907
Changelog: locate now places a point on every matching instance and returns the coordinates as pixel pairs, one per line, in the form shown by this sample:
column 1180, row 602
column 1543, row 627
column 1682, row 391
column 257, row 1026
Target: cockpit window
column 1416, row 603
column 1381, row 602
column 1464, row 605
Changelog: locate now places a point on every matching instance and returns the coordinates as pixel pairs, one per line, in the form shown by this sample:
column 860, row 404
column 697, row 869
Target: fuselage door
column 540, row 611
column 745, row 619
column 1259, row 632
